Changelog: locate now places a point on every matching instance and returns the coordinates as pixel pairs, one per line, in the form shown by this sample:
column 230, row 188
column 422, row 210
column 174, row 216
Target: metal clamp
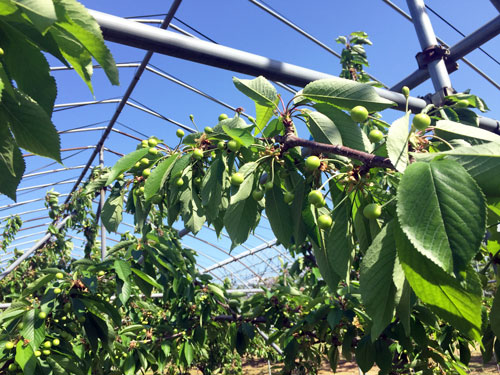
column 430, row 54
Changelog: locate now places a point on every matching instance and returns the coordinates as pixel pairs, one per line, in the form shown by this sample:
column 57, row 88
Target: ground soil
column 252, row 367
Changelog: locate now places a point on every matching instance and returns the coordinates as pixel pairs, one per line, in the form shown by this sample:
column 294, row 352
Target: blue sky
column 242, row 25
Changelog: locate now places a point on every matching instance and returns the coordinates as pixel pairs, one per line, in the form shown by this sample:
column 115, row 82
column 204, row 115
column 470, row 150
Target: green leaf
column 212, row 186
column 191, row 210
column 125, row 163
column 245, row 189
column 260, row 90
column 33, row 329
column 453, row 130
column 188, row 353
column 63, row 365
column 26, row 64
column 7, row 7
column 12, row 164
column 322, row 128
column 75, row 53
column 329, row 275
column 345, row 94
column 338, row 241
column 263, row 115
column 376, row 280
column 278, row 214
column 443, row 212
column 75, row 19
column 158, row 176
column 351, row 133
column 240, row 219
column 111, row 215
column 275, row 127
column 147, row 278
column 37, row 284
column 238, row 130
column 25, row 357
column 122, row 269
column 481, row 161
column 397, row 142
column 41, row 12
column 31, row 126
column 459, row 303
column 365, row 354
column 495, row 314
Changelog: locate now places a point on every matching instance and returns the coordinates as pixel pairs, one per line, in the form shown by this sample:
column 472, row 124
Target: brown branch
column 369, row 160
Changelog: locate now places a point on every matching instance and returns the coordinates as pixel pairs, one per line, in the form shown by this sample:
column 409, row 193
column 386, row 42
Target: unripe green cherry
column 152, row 142
column 237, row 178
column 137, row 165
column 222, row 116
column 9, row 345
column 462, row 103
column 42, row 314
column 46, row 352
column 312, row 163
column 56, row 342
column 37, row 353
column 12, row 367
column 198, row 153
column 146, row 172
column 288, row 197
column 233, row 145
column 221, row 145
column 57, row 290
column 268, row 185
column 179, row 133
column 153, row 151
column 324, row 222
column 375, row 136
column 421, row 121
column 316, row 198
column 359, row 114
column 257, row 195
column 144, row 161
column 47, row 344
column 179, row 182
column 372, row 211
column 59, row 275
column 144, row 143
column 405, row 91
column 101, row 273
column 208, row 130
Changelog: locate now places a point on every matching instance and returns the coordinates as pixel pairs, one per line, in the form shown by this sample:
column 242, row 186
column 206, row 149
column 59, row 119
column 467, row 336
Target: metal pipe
column 400, row 85
column 457, row 51
column 240, row 256
column 124, row 99
column 137, row 35
column 436, row 68
column 227, row 253
column 33, row 248
column 102, row 197
column 496, row 4
column 52, row 171
column 46, row 185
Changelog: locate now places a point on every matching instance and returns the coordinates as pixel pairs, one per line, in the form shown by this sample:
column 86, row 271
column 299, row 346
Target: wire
column 458, row 31
column 195, row 30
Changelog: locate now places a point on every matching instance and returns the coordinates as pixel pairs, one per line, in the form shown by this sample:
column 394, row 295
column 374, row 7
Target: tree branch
column 369, row 160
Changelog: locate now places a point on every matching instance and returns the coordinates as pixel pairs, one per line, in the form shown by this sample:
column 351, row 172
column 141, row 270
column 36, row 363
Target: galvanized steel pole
column 119, row 30
column 427, row 38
